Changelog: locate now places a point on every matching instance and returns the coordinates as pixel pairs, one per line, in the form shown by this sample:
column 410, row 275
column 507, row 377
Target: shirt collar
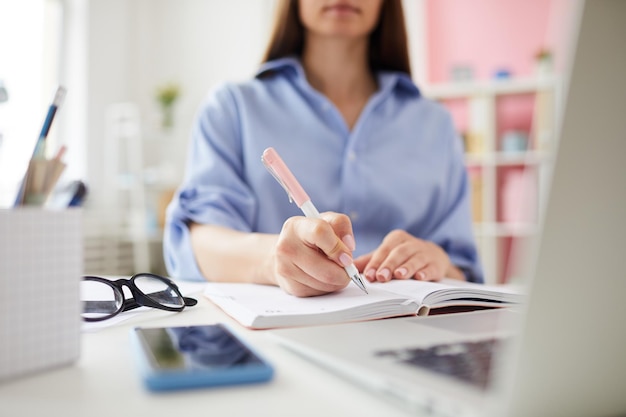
column 388, row 80
column 282, row 64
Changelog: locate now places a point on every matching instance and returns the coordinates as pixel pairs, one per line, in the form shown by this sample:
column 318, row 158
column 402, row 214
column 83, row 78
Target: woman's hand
column 310, row 254
column 403, row 256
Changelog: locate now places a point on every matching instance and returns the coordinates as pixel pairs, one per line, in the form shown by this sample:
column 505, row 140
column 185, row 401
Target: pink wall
column 488, row 35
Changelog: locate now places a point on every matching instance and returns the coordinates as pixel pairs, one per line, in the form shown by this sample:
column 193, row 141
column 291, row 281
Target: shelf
column 508, row 158
column 505, row 229
column 484, row 112
column 463, row 89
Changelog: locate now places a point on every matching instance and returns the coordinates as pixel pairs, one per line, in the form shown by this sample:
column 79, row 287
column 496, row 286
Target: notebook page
column 246, row 302
column 448, row 290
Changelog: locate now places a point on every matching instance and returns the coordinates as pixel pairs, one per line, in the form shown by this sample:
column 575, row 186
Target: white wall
column 136, row 45
column 415, row 21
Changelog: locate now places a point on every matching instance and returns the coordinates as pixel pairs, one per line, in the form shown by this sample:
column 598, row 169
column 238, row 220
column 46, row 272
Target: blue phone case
column 156, row 379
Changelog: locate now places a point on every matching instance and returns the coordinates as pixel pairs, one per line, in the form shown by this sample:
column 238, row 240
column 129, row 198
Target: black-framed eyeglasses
column 103, row 298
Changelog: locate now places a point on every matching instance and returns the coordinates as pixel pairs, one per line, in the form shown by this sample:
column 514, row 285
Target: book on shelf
column 265, row 307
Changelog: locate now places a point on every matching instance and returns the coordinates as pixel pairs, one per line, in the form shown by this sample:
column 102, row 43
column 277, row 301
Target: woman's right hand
column 310, row 254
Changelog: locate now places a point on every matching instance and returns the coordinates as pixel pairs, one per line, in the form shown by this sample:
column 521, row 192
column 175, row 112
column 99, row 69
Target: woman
column 334, row 97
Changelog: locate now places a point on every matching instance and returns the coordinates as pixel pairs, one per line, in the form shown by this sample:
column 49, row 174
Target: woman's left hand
column 403, row 256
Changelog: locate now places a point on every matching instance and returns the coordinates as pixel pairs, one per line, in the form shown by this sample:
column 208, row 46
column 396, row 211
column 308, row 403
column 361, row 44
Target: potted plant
column 166, row 96
column 543, row 62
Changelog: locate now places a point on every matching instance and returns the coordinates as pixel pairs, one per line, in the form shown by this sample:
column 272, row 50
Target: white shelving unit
column 497, row 234
column 138, row 184
column 127, row 195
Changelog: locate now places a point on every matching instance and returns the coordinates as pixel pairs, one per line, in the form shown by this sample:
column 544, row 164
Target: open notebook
column 264, row 307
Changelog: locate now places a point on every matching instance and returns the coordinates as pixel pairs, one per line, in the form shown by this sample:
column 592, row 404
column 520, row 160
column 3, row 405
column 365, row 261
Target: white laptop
column 564, row 353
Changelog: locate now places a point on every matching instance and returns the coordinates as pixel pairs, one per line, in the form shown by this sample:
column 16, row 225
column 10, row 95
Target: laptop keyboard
column 468, row 361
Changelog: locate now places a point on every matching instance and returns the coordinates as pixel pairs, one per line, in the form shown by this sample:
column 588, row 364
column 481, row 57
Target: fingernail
column 345, row 259
column 421, row 275
column 349, row 241
column 385, row 274
column 370, row 274
column 401, row 272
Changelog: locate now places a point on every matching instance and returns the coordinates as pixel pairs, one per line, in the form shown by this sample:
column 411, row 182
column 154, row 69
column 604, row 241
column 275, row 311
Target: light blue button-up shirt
column 400, row 167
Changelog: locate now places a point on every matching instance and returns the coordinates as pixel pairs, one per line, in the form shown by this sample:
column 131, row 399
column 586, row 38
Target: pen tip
column 358, row 280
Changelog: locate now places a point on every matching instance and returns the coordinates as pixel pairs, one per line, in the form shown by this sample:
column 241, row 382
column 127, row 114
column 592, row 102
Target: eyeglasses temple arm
column 164, row 296
column 190, row 301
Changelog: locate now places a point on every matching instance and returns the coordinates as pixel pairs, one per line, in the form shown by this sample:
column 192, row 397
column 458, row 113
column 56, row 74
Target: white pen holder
column 41, row 264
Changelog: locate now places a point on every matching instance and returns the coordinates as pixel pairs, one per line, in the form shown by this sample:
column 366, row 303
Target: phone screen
column 195, row 347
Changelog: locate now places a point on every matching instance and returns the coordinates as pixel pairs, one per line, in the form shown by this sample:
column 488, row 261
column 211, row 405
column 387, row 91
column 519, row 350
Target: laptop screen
column 570, row 360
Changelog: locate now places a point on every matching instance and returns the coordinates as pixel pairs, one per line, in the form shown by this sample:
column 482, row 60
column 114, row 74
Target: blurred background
column 137, row 70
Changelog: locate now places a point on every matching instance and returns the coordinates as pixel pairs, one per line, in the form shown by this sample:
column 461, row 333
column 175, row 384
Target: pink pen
column 279, row 170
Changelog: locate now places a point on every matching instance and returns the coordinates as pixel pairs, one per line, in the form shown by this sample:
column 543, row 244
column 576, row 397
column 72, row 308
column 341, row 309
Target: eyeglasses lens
column 158, row 291
column 99, row 299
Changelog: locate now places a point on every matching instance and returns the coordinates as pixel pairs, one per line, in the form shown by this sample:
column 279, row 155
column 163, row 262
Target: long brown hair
column 388, row 48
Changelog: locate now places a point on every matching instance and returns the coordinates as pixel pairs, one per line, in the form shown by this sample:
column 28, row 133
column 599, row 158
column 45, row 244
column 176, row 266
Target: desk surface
column 104, row 381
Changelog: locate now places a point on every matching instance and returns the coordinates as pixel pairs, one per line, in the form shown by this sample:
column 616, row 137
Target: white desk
column 104, row 382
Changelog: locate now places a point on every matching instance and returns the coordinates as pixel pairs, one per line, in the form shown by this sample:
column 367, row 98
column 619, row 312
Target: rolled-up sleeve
column 213, row 190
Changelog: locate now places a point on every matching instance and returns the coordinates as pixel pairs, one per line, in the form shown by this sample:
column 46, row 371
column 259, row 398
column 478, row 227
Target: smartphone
column 171, row 358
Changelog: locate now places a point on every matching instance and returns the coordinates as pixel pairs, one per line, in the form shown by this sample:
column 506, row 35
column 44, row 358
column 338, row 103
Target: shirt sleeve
column 213, row 190
column 452, row 229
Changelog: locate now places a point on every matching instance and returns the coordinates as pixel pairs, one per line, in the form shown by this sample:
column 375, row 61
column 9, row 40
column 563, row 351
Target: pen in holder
column 41, row 177
column 42, row 174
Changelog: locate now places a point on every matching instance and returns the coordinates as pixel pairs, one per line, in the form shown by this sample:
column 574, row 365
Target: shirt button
column 354, row 216
column 351, row 156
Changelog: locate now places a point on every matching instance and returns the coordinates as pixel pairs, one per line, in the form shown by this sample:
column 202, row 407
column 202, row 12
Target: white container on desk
column 41, row 264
